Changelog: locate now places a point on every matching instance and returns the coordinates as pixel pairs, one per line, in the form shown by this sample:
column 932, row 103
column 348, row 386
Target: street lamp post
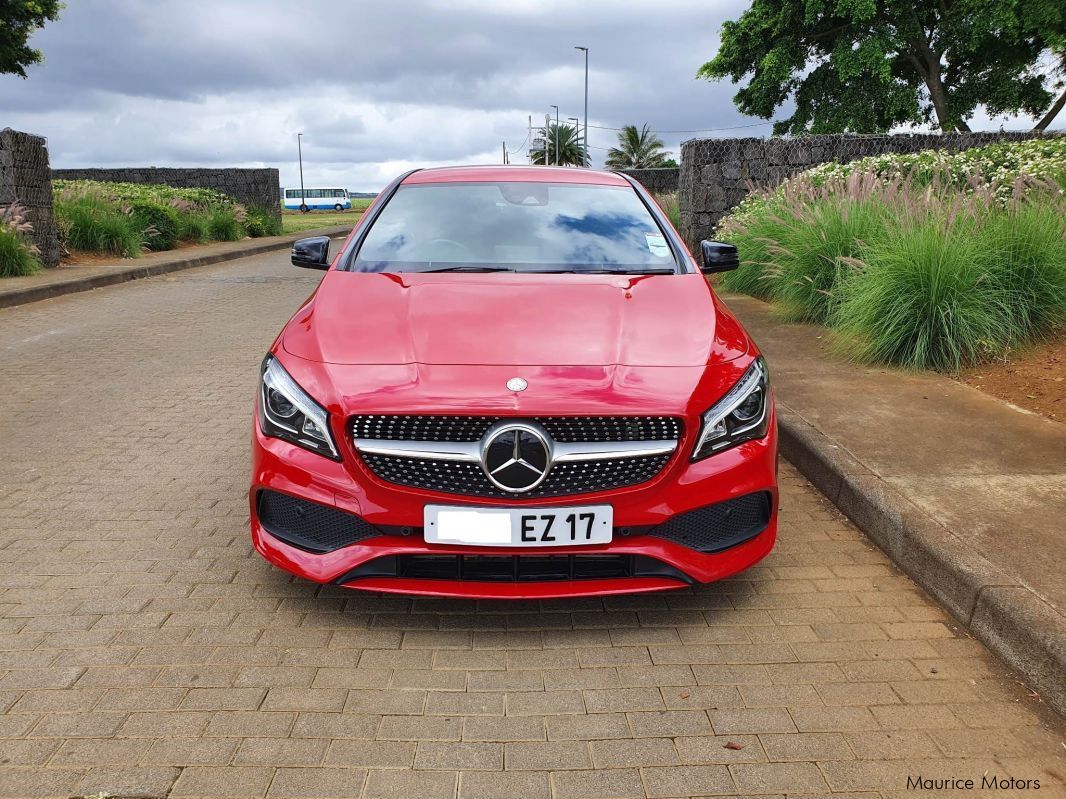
column 547, row 128
column 556, row 134
column 300, row 150
column 577, row 128
column 585, row 136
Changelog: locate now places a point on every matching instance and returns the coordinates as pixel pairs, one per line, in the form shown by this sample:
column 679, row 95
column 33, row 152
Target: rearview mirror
column 311, row 253
column 718, row 257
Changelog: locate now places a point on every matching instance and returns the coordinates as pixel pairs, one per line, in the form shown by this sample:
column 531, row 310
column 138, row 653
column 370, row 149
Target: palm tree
column 637, row 150
column 571, row 153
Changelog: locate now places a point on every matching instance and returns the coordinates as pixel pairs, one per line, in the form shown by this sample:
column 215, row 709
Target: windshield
column 519, row 227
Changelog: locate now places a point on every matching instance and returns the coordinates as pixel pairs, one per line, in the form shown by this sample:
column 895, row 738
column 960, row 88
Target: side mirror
column 718, row 257
column 312, row 253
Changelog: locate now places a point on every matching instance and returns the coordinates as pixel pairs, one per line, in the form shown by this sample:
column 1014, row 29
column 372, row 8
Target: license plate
column 525, row 527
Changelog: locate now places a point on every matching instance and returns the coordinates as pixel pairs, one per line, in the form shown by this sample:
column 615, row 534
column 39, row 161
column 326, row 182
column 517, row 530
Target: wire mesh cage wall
column 715, row 173
column 25, row 179
column 661, row 180
column 256, row 187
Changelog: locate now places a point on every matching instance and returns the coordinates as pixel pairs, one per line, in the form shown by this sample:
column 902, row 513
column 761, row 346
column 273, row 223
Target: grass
column 123, row 219
column 754, row 240
column 917, row 270
column 815, row 254
column 92, row 224
column 226, row 224
column 1031, row 243
column 194, row 227
column 18, row 256
column 928, row 299
column 294, row 221
column 157, row 223
column 261, row 222
column 671, row 205
column 130, row 193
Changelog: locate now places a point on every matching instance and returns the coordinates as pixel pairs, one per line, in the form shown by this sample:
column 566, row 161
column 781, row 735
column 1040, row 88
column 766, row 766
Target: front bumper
column 636, row 560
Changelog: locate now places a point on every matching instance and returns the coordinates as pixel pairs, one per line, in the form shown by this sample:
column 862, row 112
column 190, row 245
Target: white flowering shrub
column 130, row 193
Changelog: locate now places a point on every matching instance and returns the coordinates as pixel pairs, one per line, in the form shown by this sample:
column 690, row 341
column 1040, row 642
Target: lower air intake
column 309, row 525
column 514, row 568
column 719, row 526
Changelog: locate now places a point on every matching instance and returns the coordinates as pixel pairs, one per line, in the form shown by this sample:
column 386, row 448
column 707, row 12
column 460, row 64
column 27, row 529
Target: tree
column 1060, row 83
column 637, row 150
column 867, row 66
column 18, row 20
column 571, row 153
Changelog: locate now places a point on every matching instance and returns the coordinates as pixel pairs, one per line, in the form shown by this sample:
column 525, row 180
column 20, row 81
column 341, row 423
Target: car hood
column 514, row 319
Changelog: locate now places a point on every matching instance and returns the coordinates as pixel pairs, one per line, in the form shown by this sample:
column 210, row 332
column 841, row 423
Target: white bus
column 316, row 200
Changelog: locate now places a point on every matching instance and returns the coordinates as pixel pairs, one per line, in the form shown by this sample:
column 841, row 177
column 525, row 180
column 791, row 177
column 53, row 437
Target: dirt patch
column 82, row 258
column 90, row 259
column 1034, row 379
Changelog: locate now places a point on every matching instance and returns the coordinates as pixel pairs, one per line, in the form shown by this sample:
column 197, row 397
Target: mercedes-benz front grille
column 564, row 429
column 448, row 454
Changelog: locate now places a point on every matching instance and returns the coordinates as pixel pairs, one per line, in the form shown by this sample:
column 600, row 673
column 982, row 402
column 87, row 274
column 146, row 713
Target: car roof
column 514, row 174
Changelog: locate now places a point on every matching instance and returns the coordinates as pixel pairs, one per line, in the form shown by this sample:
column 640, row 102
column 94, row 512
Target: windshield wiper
column 467, row 268
column 655, row 270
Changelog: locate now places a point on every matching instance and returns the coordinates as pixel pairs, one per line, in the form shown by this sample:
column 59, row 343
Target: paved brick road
column 145, row 650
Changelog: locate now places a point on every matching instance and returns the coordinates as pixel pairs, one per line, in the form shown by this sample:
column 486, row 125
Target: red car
column 514, row 382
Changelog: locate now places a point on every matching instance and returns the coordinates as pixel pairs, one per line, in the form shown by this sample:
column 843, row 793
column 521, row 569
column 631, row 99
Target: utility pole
column 529, row 138
column 585, row 137
column 556, row 133
column 300, row 150
column 547, row 128
column 505, row 152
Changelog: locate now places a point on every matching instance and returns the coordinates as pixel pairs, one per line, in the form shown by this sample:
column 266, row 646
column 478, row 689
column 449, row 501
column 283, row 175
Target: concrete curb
column 994, row 606
column 164, row 265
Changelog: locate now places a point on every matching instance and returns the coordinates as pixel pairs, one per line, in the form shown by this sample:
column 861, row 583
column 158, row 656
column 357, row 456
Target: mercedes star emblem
column 516, row 456
column 517, row 384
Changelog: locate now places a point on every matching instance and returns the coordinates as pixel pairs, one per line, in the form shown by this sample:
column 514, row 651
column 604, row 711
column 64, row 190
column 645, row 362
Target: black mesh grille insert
column 720, row 526
column 568, row 429
column 309, row 525
column 514, row 568
column 575, row 477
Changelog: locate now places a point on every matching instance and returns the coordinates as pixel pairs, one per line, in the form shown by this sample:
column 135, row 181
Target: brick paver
column 145, row 650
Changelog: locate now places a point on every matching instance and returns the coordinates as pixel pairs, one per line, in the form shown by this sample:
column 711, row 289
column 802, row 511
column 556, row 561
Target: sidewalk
column 966, row 493
column 69, row 279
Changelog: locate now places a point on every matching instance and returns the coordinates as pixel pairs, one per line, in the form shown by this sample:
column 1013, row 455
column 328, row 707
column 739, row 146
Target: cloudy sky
column 375, row 87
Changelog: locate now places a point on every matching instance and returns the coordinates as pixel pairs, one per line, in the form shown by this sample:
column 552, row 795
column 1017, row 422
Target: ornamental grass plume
column 125, row 218
column 18, row 255
column 936, row 267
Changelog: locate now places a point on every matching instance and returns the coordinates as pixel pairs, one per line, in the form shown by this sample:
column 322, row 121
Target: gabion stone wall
column 24, row 179
column 656, row 180
column 250, row 187
column 715, row 172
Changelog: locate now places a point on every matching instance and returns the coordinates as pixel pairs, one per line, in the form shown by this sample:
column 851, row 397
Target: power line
column 520, row 148
column 693, row 130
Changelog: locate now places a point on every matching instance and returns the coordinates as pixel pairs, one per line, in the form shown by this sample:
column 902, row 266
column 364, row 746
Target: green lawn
column 294, row 221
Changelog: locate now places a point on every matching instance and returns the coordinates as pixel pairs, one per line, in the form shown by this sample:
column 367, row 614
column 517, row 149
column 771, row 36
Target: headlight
column 287, row 412
column 741, row 415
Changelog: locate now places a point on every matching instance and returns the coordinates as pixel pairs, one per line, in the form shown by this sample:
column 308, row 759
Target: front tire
column 338, row 207
column 304, row 209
